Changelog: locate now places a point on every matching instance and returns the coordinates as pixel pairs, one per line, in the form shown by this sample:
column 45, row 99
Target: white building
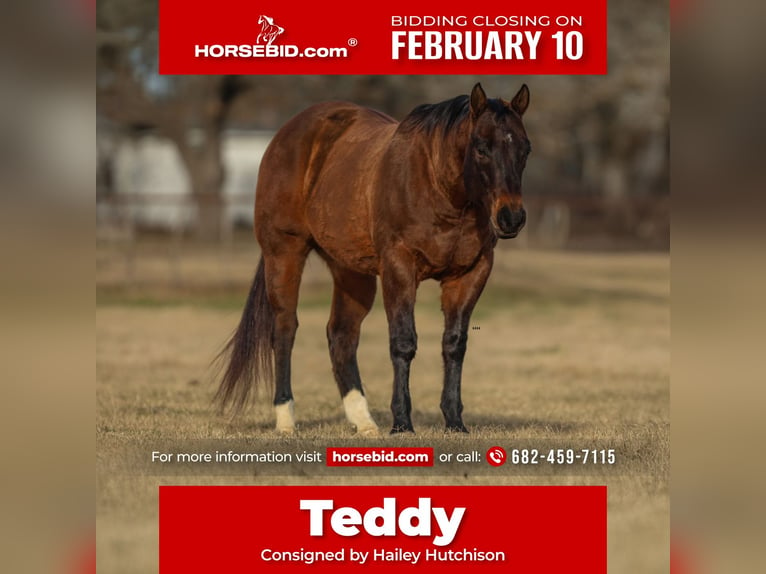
column 148, row 184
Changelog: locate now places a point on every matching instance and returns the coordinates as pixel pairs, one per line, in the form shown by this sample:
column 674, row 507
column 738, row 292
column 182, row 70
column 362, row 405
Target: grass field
column 572, row 349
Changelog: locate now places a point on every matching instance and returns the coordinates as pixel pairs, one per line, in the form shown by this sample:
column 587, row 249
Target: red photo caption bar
column 264, row 529
column 379, row 456
column 396, row 37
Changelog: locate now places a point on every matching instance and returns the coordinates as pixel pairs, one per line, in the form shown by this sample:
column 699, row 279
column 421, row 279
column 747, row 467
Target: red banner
column 395, row 37
column 263, row 529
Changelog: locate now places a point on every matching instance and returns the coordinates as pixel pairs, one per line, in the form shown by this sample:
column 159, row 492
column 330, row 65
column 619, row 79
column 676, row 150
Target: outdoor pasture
column 566, row 348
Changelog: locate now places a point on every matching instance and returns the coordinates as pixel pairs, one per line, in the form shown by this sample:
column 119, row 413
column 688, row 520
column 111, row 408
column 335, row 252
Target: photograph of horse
column 424, row 198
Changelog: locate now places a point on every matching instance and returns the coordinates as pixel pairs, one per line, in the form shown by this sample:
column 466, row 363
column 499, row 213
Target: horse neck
column 447, row 154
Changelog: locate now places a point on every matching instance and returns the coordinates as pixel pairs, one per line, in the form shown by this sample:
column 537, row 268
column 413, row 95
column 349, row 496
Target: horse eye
column 482, row 149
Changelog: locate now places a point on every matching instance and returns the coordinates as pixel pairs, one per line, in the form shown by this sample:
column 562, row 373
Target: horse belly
column 338, row 212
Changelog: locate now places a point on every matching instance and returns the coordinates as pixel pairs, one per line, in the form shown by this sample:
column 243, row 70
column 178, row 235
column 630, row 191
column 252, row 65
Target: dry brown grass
column 573, row 350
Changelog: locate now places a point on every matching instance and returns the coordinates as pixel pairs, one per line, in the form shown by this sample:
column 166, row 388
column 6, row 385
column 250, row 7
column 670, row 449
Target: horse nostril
column 505, row 219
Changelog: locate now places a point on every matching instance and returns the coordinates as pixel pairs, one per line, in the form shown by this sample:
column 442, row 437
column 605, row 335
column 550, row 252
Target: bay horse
column 427, row 198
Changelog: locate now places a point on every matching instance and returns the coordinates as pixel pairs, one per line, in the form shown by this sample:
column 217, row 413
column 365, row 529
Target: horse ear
column 520, row 101
column 478, row 100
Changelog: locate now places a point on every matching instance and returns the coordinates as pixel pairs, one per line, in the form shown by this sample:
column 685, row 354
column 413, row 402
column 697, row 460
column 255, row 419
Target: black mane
column 444, row 115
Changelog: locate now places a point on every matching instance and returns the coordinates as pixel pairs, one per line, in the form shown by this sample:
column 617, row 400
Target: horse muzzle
column 508, row 223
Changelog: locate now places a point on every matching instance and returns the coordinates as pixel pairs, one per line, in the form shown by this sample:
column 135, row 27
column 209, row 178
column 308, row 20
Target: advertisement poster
column 383, row 287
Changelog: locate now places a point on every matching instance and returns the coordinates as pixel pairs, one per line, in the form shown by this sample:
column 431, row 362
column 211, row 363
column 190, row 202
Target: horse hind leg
column 284, row 268
column 353, row 296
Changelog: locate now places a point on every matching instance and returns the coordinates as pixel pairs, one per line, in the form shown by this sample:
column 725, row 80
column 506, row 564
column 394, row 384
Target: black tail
column 249, row 351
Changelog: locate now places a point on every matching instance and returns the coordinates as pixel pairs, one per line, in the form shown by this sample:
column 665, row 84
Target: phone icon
column 496, row 456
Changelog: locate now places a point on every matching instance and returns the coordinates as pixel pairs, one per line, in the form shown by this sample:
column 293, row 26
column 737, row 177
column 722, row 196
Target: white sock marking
column 285, row 416
column 355, row 405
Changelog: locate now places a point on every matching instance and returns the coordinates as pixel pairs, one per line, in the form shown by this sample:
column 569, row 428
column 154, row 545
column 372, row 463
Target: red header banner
column 268, row 529
column 395, row 37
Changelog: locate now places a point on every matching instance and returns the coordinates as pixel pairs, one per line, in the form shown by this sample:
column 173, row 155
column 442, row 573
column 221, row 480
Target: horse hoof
column 285, row 431
column 457, row 428
column 402, row 429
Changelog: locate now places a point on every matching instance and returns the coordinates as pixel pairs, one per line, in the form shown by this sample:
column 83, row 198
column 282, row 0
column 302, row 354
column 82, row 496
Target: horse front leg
column 399, row 283
column 459, row 296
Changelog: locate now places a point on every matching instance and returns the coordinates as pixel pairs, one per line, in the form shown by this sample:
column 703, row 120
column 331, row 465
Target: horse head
column 495, row 158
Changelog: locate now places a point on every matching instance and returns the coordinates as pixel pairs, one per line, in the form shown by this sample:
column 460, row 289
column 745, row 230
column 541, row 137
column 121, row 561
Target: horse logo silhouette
column 269, row 30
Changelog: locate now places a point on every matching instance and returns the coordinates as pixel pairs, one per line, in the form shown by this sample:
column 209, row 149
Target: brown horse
column 426, row 198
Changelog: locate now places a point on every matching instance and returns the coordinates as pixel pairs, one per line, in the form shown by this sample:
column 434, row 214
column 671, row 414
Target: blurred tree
column 191, row 111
